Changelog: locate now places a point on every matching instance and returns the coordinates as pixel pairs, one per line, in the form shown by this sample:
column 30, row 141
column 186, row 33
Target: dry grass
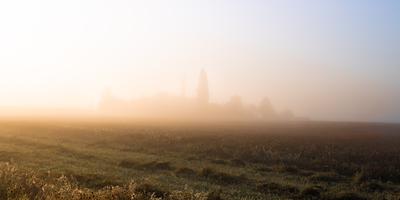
column 17, row 184
column 217, row 161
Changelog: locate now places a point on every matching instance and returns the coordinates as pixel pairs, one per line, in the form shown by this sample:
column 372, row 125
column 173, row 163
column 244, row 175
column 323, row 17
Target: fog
column 264, row 60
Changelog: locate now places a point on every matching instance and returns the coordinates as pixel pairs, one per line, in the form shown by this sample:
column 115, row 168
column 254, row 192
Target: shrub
column 127, row 164
column 94, row 181
column 275, row 188
column 150, row 190
column 264, row 169
column 154, row 165
column 372, row 187
column 325, row 177
column 220, row 177
column 238, row 163
column 285, row 169
column 184, row 171
column 220, row 162
column 311, row 192
column 345, row 196
column 214, row 195
column 159, row 166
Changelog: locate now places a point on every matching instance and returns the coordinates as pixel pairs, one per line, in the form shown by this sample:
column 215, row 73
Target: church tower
column 202, row 89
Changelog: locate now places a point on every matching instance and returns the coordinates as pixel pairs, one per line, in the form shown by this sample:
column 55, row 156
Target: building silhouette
column 199, row 107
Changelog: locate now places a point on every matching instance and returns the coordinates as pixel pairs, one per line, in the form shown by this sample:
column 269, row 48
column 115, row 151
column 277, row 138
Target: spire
column 202, row 89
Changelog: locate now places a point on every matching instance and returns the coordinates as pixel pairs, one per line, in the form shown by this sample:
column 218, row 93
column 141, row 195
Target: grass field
column 309, row 160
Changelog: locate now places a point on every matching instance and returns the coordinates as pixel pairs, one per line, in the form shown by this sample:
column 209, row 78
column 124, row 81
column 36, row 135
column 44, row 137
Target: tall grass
column 22, row 184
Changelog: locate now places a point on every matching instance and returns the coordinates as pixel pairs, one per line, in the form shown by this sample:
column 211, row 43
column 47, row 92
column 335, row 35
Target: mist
column 318, row 61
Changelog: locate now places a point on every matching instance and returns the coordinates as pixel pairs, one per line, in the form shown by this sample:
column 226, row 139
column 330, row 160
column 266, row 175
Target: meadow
column 121, row 160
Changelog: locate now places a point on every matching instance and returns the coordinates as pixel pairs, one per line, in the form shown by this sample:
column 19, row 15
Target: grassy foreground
column 314, row 160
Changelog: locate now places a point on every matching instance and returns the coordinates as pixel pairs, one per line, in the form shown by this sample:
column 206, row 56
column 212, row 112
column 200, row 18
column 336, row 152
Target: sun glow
column 64, row 54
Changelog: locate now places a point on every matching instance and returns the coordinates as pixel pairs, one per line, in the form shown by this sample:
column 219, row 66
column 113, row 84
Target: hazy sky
column 331, row 59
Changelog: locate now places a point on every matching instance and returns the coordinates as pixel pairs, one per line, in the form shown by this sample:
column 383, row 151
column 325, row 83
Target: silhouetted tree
column 266, row 109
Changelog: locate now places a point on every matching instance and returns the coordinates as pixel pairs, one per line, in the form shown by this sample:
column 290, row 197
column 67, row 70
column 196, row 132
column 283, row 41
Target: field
column 93, row 160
